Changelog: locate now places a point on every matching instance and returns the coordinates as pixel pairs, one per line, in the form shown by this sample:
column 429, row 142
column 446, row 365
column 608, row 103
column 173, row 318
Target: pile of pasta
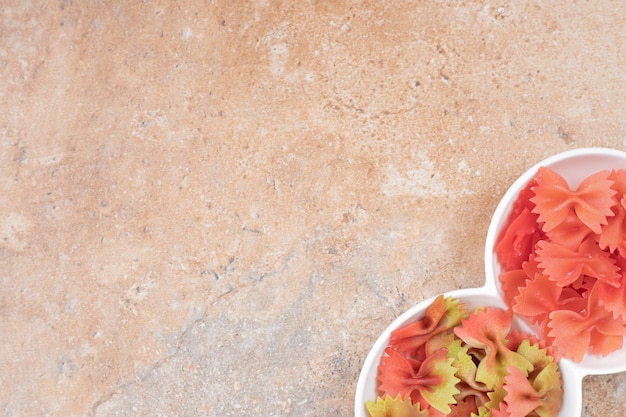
column 457, row 363
column 563, row 257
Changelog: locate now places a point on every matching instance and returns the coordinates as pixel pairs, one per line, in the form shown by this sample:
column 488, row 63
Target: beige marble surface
column 213, row 208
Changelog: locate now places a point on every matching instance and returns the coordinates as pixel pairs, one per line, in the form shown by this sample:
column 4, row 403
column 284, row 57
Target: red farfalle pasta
column 538, row 298
column 591, row 202
column 441, row 315
column 572, row 281
column 603, row 344
column 613, row 236
column 573, row 330
column 614, row 300
column 565, row 266
column 430, row 382
column 518, row 240
column 511, row 282
column 396, row 373
column 516, row 337
column 618, row 176
column 571, row 232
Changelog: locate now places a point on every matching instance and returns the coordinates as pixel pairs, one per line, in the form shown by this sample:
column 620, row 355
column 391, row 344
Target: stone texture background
column 215, row 207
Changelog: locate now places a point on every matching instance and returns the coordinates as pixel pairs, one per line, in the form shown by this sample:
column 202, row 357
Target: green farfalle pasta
column 394, row 407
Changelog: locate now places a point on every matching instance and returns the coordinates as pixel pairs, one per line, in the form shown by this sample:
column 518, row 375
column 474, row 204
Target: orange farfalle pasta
column 591, row 202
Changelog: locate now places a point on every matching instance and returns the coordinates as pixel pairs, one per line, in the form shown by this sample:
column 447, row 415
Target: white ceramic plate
column 574, row 166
